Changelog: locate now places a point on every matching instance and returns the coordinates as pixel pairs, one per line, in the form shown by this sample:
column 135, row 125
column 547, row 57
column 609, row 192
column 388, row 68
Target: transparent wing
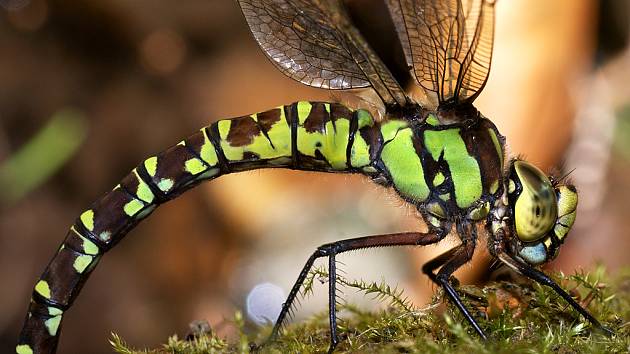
column 449, row 42
column 396, row 15
column 313, row 42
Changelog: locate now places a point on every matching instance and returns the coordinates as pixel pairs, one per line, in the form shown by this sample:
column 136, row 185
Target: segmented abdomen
column 304, row 135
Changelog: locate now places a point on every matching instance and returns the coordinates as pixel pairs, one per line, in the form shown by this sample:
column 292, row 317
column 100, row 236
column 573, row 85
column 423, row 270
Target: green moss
column 518, row 316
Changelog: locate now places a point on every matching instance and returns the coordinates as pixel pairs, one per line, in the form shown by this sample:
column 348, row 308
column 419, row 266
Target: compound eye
column 534, row 254
column 536, row 207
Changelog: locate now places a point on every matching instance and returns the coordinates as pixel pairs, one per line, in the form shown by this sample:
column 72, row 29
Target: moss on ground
column 518, row 316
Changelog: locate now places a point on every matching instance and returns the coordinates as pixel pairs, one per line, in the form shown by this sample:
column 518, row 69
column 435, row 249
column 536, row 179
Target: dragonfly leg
column 449, row 262
column 437, row 262
column 330, row 250
column 543, row 279
column 332, row 302
column 462, row 256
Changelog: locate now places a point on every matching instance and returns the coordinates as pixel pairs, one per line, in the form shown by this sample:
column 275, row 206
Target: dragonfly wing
column 450, row 45
column 314, row 42
column 395, row 12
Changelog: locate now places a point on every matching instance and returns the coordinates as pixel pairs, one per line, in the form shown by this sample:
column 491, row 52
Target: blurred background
column 89, row 89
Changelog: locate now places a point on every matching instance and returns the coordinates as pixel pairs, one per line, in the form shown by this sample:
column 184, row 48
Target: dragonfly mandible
column 439, row 153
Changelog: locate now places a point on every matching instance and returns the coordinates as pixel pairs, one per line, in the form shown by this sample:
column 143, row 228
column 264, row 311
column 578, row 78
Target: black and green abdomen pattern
column 426, row 163
column 304, row 135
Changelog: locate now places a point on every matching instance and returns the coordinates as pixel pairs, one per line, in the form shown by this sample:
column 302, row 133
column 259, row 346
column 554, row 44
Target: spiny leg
column 332, row 249
column 286, row 306
column 461, row 257
column 450, row 261
column 332, row 302
column 543, row 279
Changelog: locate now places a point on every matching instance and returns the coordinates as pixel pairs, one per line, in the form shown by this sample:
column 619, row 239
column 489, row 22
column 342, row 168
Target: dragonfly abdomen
column 304, row 135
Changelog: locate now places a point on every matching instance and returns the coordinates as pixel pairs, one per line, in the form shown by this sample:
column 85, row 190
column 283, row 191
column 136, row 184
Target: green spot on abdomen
column 331, row 142
column 151, row 165
column 43, row 289
column 165, row 184
column 360, row 152
column 105, row 236
column 208, row 153
column 88, row 246
column 82, row 262
column 52, row 324
column 143, row 192
column 303, row 110
column 23, row 349
column 194, row 166
column 132, row 207
column 464, row 168
column 280, row 136
column 53, row 311
column 404, row 165
column 87, row 218
column 275, row 145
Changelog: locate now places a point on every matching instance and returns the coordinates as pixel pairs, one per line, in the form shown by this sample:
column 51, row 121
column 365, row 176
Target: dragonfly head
column 543, row 212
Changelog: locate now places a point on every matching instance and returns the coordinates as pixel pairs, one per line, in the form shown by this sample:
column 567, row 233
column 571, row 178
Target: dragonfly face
column 543, row 213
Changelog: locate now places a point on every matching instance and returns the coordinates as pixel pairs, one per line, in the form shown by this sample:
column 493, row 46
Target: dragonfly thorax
column 451, row 171
column 457, row 113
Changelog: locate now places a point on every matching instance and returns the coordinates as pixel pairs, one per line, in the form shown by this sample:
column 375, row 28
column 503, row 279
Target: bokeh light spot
column 264, row 303
column 162, row 51
column 26, row 15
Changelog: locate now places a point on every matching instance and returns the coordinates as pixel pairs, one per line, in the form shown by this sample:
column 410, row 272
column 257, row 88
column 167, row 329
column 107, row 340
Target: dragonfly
column 438, row 152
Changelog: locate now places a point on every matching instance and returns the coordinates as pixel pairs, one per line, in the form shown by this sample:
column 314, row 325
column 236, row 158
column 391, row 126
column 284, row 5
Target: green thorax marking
column 438, row 179
column 432, row 120
column 497, row 145
column 402, row 161
column 465, row 172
